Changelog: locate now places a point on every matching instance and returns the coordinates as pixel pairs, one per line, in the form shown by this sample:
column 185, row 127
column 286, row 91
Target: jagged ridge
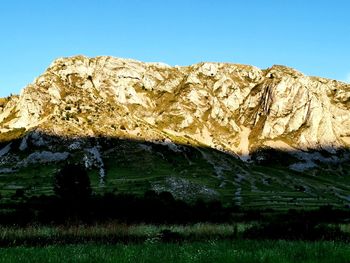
column 230, row 107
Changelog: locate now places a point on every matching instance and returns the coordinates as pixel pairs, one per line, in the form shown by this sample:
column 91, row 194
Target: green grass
column 134, row 170
column 114, row 232
column 212, row 251
column 34, row 179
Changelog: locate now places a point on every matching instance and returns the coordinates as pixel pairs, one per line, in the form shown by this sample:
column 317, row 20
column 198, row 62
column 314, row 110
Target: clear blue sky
column 310, row 35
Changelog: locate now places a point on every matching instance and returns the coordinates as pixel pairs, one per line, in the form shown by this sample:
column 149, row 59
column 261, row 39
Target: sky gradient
column 311, row 36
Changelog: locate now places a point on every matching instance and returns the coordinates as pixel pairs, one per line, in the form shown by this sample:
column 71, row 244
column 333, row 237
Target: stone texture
column 230, row 107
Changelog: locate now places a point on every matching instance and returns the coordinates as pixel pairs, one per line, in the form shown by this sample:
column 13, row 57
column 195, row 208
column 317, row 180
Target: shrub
column 72, row 183
column 269, row 156
column 18, row 194
column 296, row 230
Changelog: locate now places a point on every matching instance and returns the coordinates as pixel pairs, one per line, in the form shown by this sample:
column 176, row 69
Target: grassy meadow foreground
column 211, row 251
column 201, row 242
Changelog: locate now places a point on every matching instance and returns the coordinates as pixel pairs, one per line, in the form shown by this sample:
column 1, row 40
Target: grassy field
column 212, row 251
column 115, row 232
column 197, row 173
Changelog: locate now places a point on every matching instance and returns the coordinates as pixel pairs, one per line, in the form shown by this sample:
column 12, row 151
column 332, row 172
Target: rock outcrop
column 230, row 107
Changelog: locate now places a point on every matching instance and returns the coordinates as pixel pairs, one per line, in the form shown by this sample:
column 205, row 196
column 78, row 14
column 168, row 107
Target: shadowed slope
column 188, row 172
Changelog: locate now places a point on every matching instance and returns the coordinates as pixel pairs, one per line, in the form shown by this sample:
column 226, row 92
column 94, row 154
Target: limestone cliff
column 230, row 107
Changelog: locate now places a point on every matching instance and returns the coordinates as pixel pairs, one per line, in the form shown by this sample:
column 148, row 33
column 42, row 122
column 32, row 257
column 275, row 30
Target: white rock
column 5, row 150
column 207, row 102
column 44, row 157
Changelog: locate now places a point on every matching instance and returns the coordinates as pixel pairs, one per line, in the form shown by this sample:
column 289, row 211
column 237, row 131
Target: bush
column 167, row 236
column 72, row 183
column 18, row 194
column 295, row 230
column 270, row 156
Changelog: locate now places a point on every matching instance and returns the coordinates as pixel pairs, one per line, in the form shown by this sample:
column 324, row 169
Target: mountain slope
column 241, row 111
column 224, row 106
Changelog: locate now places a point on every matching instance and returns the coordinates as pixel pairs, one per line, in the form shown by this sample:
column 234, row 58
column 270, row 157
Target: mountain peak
column 280, row 70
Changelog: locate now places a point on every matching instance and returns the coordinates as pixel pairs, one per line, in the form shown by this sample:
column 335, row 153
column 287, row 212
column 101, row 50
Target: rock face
column 230, row 107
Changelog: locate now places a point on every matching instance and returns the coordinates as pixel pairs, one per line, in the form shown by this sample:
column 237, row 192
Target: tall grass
column 211, row 251
column 114, row 232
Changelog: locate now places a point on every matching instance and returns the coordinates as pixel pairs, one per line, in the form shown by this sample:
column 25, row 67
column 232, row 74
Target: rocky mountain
column 237, row 110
